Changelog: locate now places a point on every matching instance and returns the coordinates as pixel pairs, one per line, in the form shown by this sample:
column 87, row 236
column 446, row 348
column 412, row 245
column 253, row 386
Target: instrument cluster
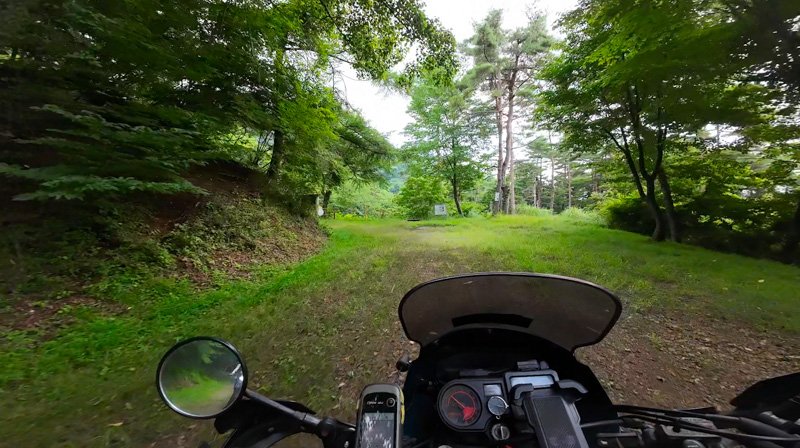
column 471, row 404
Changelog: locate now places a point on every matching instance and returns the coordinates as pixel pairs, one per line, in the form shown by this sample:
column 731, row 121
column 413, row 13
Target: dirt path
column 655, row 357
column 665, row 361
column 673, row 361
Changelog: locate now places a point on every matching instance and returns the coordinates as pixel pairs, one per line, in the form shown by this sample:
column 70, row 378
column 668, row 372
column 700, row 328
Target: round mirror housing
column 201, row 377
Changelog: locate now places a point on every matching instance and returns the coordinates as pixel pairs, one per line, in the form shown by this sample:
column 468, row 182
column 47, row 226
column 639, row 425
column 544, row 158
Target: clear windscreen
column 568, row 312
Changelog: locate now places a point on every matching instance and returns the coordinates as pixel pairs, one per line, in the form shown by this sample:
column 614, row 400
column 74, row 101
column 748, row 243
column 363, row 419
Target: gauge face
column 460, row 406
column 497, row 406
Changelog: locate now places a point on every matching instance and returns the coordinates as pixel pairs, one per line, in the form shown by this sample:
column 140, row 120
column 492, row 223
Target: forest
column 673, row 119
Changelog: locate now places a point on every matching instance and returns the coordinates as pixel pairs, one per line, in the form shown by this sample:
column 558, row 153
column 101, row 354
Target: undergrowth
column 98, row 255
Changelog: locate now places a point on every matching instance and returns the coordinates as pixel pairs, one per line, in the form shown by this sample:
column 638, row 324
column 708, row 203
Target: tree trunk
column 539, row 189
column 501, row 169
column 669, row 206
column 275, row 162
column 455, row 197
column 512, row 200
column 512, row 194
column 648, row 197
column 262, row 148
column 568, row 172
column 790, row 252
column 326, row 199
column 634, row 109
column 655, row 210
column 553, row 184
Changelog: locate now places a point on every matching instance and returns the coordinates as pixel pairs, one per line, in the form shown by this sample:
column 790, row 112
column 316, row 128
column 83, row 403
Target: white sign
column 440, row 210
column 496, row 196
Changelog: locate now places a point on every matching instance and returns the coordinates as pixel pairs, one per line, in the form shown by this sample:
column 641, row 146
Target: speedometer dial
column 459, row 406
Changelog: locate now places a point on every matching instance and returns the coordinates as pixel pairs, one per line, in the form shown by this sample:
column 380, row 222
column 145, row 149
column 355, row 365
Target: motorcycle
column 496, row 367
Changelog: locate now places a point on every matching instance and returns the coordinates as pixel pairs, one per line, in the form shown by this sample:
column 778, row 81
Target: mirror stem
column 307, row 421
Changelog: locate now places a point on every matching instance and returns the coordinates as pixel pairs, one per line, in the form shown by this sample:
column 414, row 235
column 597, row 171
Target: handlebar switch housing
column 552, row 414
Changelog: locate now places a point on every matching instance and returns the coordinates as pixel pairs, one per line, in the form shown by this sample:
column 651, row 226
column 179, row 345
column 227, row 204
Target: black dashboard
column 461, row 390
column 478, row 404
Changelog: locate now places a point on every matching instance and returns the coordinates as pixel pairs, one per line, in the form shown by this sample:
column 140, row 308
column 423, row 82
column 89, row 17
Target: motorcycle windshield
column 566, row 311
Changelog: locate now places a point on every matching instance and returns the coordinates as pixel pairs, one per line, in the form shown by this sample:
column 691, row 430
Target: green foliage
column 621, row 86
column 92, row 114
column 447, row 137
column 724, row 200
column 245, row 225
column 366, row 200
column 579, row 215
column 357, row 154
column 419, row 195
column 470, row 209
column 530, row 210
column 81, row 250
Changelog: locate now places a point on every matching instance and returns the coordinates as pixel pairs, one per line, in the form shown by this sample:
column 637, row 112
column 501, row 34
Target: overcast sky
column 387, row 112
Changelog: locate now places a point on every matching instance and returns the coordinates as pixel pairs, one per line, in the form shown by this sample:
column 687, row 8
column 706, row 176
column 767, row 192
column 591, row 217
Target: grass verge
column 320, row 330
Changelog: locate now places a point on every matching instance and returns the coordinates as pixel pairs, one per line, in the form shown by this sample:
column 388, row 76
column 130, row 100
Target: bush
column 530, row 210
column 419, row 195
column 350, row 217
column 727, row 223
column 369, row 200
column 470, row 208
column 583, row 216
column 626, row 213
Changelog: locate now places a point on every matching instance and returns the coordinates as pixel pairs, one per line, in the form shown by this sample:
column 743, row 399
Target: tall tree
column 622, row 79
column 485, row 49
column 446, row 137
column 524, row 52
column 358, row 154
column 759, row 43
column 505, row 61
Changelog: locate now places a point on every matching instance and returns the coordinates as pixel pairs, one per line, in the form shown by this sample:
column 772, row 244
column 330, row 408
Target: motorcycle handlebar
column 333, row 433
column 755, row 433
column 667, row 424
column 306, row 420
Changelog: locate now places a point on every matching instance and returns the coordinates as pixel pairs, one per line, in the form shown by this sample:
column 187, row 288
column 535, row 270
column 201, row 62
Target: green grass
column 307, row 329
column 201, row 396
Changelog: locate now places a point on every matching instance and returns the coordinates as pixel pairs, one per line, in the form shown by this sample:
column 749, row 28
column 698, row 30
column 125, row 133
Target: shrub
column 626, row 213
column 369, row 200
column 583, row 216
column 470, row 208
column 419, row 195
column 530, row 210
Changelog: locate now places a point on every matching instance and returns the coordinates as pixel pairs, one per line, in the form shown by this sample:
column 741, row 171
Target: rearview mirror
column 201, row 377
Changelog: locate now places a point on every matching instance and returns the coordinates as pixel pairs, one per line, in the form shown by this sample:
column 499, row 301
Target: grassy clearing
column 318, row 331
column 644, row 273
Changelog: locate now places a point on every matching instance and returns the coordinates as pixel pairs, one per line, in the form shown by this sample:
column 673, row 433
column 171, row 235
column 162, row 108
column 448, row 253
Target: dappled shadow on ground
column 671, row 360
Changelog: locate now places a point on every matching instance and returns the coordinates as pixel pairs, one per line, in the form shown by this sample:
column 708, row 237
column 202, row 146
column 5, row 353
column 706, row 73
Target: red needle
column 456, row 400
column 468, row 413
